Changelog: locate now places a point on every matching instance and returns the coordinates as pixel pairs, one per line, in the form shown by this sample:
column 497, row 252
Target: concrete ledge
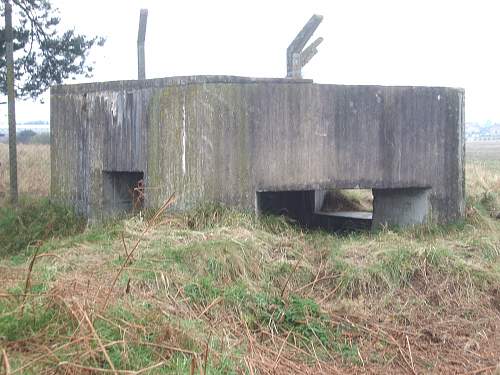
column 361, row 215
column 343, row 221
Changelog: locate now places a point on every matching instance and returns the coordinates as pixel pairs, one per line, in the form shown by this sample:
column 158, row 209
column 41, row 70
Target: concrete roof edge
column 209, row 79
column 460, row 89
column 168, row 81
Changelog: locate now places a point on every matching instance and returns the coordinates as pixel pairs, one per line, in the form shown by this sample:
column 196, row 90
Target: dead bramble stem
column 27, row 284
column 290, row 275
column 98, row 339
column 151, row 223
column 6, row 364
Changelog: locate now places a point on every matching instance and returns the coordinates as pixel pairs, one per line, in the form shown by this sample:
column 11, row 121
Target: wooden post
column 11, row 99
column 141, row 37
column 296, row 58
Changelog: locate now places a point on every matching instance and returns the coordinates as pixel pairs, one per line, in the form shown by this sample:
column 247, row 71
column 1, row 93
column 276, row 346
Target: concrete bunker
column 222, row 139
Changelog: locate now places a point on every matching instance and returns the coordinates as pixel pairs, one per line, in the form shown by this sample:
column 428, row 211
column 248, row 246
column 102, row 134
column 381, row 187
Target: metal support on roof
column 141, row 37
column 296, row 56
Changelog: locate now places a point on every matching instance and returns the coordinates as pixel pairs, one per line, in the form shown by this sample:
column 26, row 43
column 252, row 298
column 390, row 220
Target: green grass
column 35, row 221
column 36, row 318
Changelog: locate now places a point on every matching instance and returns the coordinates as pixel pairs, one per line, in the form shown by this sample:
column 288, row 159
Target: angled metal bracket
column 296, row 55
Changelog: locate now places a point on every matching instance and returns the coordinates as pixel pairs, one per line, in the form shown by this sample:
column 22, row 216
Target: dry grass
column 215, row 291
column 238, row 295
column 33, row 170
column 481, row 179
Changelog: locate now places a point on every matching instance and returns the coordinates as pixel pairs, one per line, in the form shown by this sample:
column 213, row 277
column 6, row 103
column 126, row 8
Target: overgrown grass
column 34, row 221
column 218, row 281
column 218, row 291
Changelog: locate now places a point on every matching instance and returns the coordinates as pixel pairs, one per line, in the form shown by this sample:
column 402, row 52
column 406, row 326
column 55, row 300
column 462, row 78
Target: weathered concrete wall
column 224, row 138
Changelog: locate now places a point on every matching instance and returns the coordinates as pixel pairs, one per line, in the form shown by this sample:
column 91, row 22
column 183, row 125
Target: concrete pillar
column 319, row 199
column 400, row 207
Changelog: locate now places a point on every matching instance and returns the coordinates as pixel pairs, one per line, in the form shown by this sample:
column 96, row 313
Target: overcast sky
column 439, row 43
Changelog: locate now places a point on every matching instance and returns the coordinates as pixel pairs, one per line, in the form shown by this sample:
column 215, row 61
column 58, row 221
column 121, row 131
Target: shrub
column 24, row 136
column 35, row 220
column 40, row 139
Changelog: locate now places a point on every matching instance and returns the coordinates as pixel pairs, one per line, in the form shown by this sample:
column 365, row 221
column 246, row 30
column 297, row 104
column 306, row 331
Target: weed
column 237, row 295
column 202, row 291
column 342, row 344
column 396, row 267
column 299, row 315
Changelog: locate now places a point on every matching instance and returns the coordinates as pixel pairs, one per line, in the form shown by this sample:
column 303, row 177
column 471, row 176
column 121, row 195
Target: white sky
column 401, row 42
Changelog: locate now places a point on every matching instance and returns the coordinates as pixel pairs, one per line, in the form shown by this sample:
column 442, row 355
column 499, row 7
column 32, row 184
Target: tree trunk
column 11, row 102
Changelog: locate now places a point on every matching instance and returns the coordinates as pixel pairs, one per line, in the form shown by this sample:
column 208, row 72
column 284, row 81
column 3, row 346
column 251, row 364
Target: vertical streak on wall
column 184, row 131
column 461, row 153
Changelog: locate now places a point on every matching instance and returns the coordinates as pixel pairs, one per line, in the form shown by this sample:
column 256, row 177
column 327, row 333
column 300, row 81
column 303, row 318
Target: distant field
column 33, row 170
column 486, row 150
